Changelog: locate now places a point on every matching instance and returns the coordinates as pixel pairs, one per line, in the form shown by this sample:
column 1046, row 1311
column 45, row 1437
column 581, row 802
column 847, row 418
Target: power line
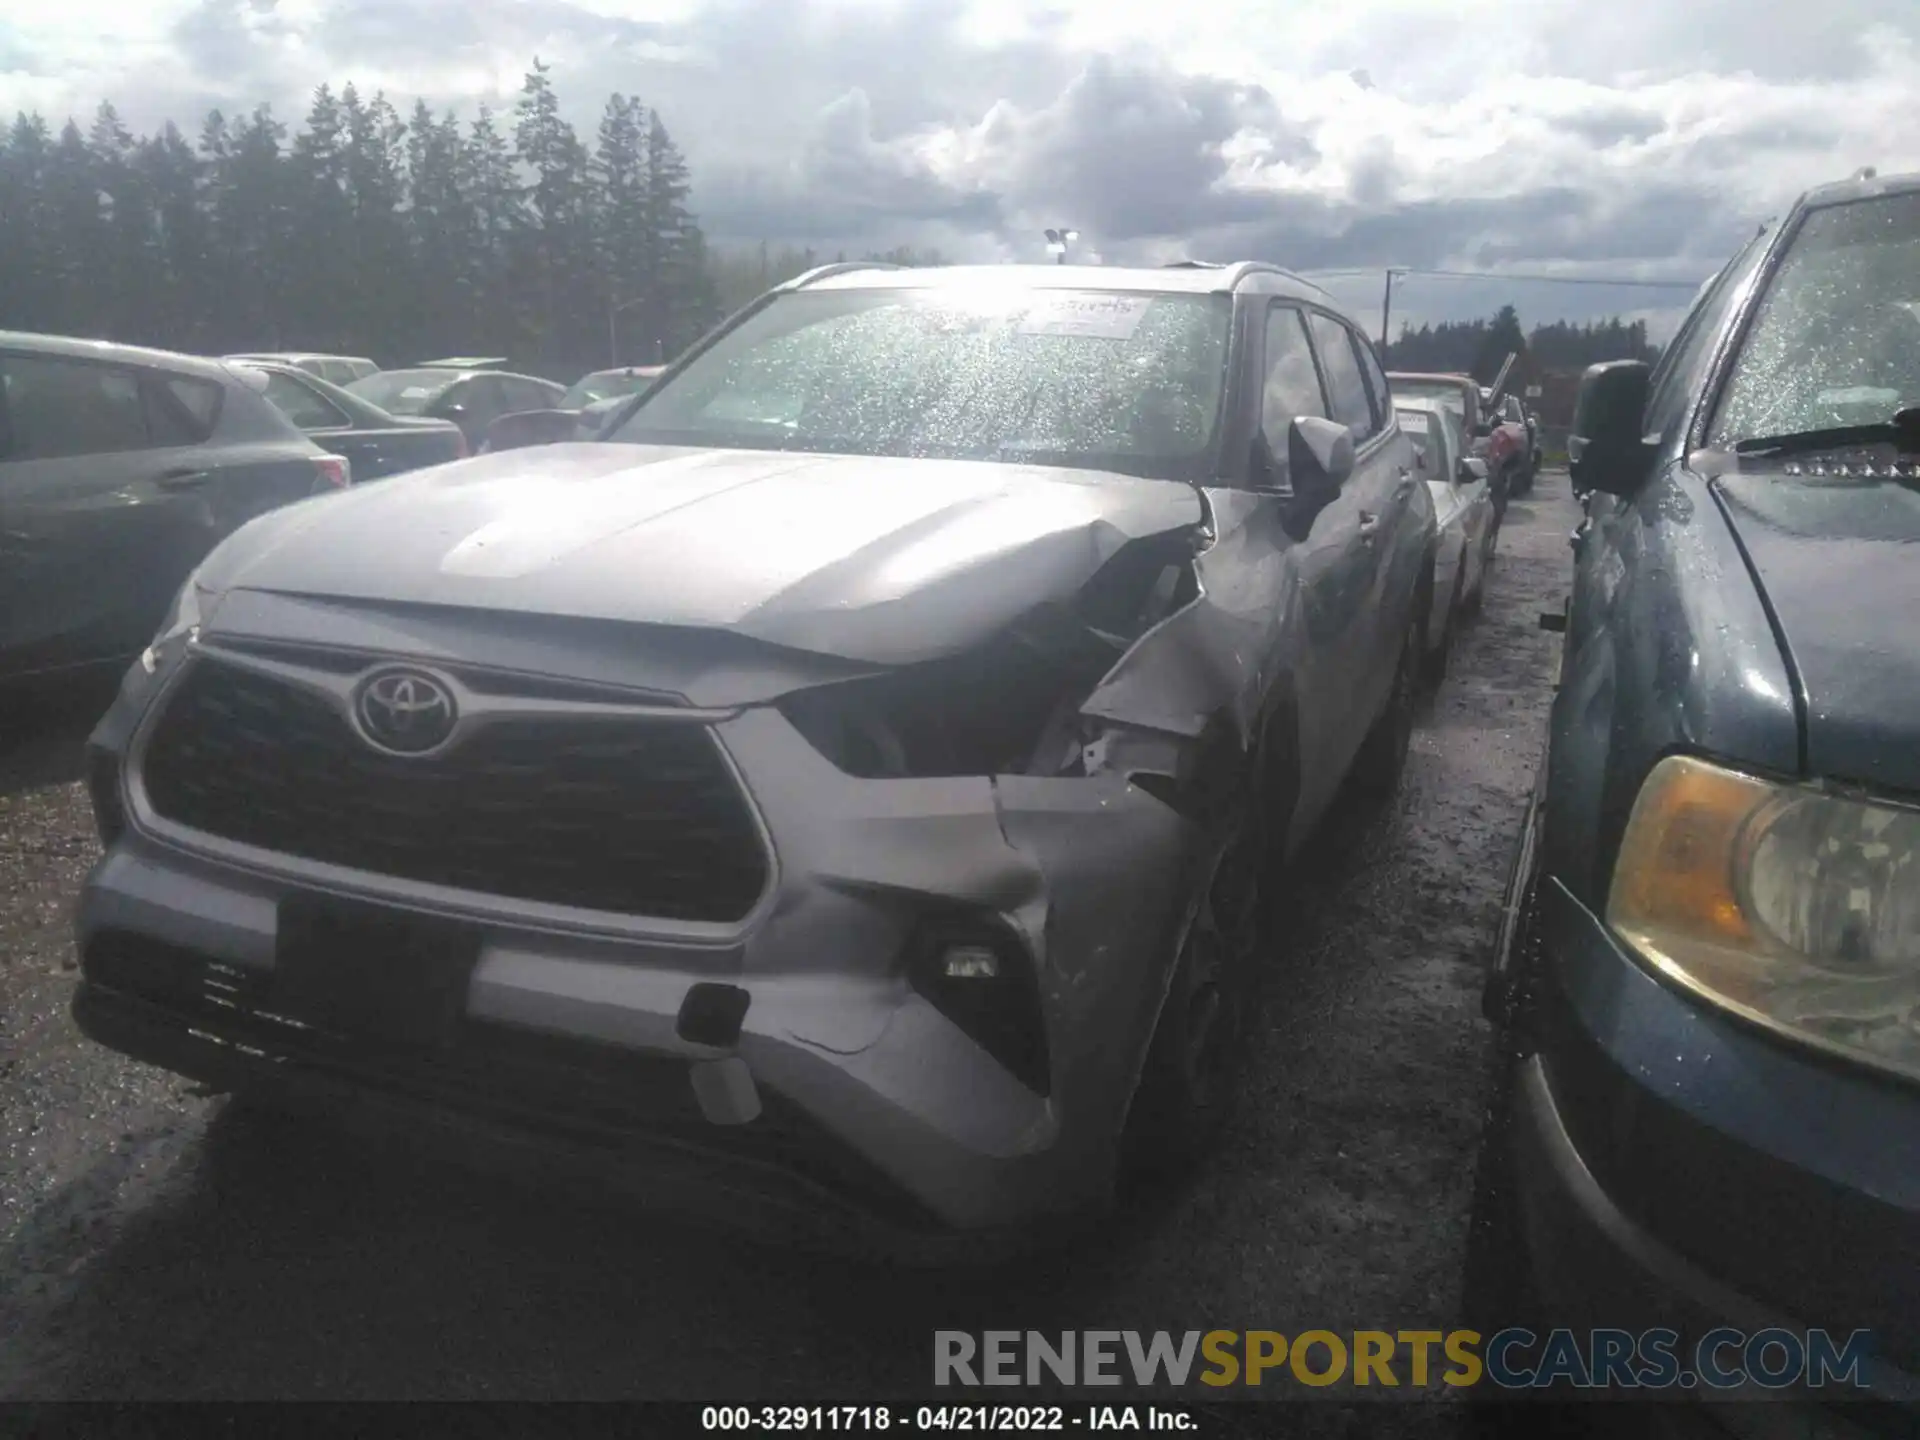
column 1401, row 271
column 1560, row 279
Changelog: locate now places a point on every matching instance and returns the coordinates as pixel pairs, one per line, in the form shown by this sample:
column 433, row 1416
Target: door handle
column 1369, row 525
column 182, row 479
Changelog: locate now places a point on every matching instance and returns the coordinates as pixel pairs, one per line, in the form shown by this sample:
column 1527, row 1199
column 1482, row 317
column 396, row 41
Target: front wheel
column 1190, row 1079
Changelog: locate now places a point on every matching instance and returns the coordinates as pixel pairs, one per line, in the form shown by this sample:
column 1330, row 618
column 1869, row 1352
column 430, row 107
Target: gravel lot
column 153, row 1245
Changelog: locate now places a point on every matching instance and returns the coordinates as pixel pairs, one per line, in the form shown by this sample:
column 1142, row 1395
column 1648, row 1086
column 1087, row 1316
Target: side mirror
column 1319, row 457
column 1605, row 449
column 1473, row 470
column 530, row 427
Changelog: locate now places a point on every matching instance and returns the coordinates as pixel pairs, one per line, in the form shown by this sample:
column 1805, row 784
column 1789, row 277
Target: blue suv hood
column 1840, row 565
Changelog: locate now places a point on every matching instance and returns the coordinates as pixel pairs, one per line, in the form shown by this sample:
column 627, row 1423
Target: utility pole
column 1386, row 311
column 613, row 329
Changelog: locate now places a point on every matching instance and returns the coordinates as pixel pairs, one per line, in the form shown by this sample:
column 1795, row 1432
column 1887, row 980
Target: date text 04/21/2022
column 758, row 1419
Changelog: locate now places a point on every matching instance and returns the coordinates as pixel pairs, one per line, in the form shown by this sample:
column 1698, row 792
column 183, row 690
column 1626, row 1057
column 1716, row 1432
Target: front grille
column 639, row 816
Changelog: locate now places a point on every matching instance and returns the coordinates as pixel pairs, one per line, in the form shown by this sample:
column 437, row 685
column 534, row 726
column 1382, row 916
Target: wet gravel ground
column 156, row 1244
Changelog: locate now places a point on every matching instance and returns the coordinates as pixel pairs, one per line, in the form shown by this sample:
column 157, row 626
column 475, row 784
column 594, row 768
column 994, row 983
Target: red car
column 1489, row 436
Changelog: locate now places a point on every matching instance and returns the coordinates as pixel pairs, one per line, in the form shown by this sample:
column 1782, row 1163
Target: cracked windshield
column 1106, row 379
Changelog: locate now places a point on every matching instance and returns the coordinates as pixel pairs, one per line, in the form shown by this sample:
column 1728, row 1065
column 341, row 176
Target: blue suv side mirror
column 1606, row 450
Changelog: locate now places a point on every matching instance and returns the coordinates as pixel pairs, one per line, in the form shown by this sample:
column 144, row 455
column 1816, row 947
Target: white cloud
column 1454, row 133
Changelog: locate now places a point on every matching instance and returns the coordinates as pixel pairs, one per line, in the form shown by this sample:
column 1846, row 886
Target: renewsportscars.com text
column 1514, row 1359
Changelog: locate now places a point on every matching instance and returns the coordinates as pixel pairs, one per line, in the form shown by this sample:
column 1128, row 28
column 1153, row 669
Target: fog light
column 977, row 973
column 970, row 962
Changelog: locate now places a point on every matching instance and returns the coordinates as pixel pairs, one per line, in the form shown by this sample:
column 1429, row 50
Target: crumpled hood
column 881, row 560
column 1841, row 566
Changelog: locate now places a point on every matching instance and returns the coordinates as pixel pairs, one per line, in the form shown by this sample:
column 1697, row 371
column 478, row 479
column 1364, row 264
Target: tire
column 1189, row 1081
column 1434, row 671
column 1473, row 601
column 1383, row 754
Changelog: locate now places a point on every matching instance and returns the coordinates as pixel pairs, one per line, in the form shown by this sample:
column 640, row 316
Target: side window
column 169, row 423
column 58, row 407
column 200, row 399
column 1346, row 383
column 465, row 396
column 525, row 395
column 1292, row 385
column 306, row 408
column 488, row 396
column 1376, row 382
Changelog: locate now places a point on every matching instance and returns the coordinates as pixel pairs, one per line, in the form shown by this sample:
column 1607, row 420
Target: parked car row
column 1463, row 520
column 121, row 467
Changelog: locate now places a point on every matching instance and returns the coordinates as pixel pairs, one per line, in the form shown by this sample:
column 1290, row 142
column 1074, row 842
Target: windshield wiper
column 1903, row 432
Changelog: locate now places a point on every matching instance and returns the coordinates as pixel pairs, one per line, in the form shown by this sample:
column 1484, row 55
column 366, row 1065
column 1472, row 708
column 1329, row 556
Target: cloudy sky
column 1634, row 138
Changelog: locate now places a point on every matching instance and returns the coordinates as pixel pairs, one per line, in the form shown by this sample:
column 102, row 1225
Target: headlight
column 180, row 627
column 1794, row 907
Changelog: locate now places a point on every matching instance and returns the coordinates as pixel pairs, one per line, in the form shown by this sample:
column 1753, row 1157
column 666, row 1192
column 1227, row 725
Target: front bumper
column 1673, row 1169
column 881, row 1103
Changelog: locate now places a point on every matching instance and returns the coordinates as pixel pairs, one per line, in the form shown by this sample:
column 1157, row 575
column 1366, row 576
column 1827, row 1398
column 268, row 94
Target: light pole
column 613, row 332
column 1386, row 311
column 1057, row 243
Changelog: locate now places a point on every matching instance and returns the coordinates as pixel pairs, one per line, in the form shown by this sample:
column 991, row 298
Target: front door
column 1380, row 491
column 1329, row 557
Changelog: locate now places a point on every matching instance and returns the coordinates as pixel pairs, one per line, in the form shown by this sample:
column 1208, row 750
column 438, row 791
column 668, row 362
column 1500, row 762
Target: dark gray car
column 120, row 468
column 376, row 443
column 472, row 398
column 852, row 781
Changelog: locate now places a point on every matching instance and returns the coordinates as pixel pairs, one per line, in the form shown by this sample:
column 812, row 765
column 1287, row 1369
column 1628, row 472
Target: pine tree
column 82, row 219
column 322, row 272
column 499, row 215
column 673, row 248
column 624, row 252
column 443, row 231
column 30, row 301
column 377, row 311
column 170, row 174
column 556, row 258
column 130, row 274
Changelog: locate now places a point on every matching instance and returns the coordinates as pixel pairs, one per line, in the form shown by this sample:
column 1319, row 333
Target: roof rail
column 1193, row 265
column 838, row 267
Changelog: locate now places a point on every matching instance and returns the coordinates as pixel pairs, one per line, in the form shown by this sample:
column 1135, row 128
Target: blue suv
column 1708, row 978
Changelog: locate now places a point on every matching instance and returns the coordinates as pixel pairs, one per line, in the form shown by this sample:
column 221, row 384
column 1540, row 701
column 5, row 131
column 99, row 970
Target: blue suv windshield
column 1836, row 340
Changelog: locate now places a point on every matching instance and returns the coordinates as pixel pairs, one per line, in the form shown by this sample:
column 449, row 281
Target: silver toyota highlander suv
column 848, row 782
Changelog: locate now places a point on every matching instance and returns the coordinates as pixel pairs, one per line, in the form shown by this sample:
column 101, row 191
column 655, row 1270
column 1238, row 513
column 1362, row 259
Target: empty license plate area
column 372, row 973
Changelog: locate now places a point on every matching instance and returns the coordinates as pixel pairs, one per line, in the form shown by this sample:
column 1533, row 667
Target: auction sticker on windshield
column 1098, row 317
column 1412, row 421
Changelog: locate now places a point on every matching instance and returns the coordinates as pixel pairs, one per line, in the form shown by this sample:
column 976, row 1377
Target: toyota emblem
column 406, row 711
